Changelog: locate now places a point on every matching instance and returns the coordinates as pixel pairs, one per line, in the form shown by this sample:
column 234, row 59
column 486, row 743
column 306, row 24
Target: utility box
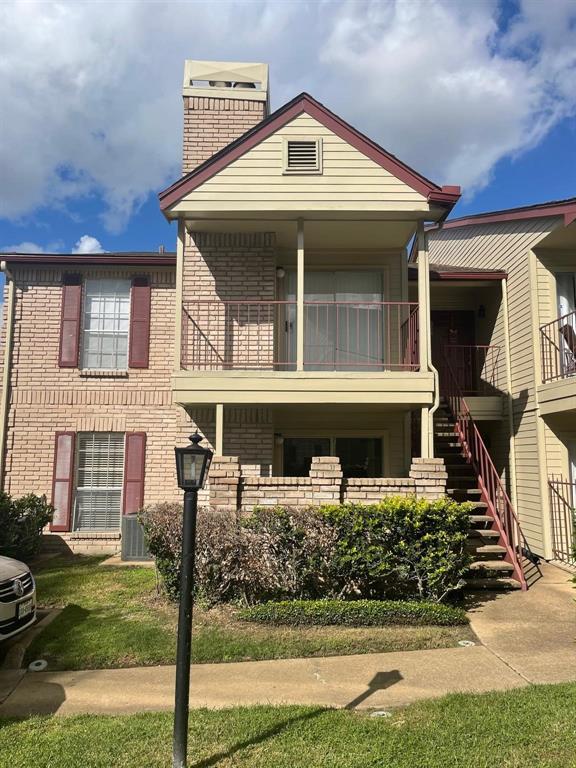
column 133, row 544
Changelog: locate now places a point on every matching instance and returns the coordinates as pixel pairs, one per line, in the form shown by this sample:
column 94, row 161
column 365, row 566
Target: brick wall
column 228, row 267
column 210, row 124
column 324, row 485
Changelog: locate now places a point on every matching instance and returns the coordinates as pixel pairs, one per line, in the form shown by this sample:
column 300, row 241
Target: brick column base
column 224, row 481
column 326, row 476
column 430, row 478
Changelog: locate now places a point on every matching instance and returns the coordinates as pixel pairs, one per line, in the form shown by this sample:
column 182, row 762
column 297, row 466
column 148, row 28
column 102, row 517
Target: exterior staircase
column 490, row 568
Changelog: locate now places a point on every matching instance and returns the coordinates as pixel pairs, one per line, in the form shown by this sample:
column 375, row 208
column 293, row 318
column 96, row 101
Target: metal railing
column 262, row 335
column 475, row 367
column 563, row 519
column 499, row 506
column 558, row 348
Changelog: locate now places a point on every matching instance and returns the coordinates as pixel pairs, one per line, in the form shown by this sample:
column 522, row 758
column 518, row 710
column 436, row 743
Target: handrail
column 475, row 367
column 493, row 492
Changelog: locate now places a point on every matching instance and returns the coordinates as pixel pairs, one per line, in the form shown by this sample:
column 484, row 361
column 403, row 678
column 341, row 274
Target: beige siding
column 349, row 178
column 508, row 246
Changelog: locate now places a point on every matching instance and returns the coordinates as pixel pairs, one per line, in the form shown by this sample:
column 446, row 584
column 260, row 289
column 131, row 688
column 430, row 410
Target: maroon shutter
column 134, row 462
column 139, row 323
column 63, row 480
column 70, row 321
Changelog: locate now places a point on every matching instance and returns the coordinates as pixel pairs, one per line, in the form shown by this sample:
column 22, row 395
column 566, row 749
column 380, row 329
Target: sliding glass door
column 344, row 323
column 566, row 296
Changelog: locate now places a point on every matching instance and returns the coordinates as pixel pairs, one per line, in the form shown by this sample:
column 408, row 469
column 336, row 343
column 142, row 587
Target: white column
column 427, row 428
column 219, row 447
column 300, row 297
column 179, row 295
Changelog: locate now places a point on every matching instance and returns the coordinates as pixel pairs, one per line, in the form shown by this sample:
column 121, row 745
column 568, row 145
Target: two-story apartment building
column 289, row 327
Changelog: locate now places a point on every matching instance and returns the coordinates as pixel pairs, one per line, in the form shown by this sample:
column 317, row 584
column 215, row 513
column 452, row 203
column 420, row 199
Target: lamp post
column 192, row 463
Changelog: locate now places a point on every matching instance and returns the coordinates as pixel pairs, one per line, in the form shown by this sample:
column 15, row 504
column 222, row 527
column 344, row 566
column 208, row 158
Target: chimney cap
column 221, row 79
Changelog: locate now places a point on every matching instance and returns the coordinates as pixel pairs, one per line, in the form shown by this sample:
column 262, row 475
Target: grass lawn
column 114, row 617
column 529, row 727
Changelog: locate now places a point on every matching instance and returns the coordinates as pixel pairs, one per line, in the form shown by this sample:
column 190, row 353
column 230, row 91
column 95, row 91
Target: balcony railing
column 262, row 335
column 558, row 347
column 563, row 519
column 475, row 367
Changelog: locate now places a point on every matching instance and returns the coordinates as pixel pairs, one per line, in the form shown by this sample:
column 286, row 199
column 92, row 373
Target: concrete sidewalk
column 527, row 638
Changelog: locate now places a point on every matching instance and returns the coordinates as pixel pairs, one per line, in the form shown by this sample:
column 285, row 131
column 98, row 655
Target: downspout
column 6, row 370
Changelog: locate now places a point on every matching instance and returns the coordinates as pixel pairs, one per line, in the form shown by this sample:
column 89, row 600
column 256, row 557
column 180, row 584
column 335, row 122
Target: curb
column 14, row 657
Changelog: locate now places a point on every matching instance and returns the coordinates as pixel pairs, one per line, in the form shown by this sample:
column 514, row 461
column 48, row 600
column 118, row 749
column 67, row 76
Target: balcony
column 255, row 346
column 557, row 392
column 262, row 335
column 562, row 497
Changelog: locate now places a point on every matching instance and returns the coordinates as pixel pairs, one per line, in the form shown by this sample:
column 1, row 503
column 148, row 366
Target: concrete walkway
column 527, row 638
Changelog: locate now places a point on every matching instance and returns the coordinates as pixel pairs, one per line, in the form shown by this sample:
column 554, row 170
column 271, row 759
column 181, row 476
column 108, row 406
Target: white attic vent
column 303, row 156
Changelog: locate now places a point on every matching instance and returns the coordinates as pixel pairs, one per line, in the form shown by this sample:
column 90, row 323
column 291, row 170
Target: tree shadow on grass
column 269, row 733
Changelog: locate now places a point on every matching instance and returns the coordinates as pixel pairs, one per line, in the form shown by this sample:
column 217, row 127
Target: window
column 303, row 156
column 359, row 456
column 99, row 478
column 106, row 325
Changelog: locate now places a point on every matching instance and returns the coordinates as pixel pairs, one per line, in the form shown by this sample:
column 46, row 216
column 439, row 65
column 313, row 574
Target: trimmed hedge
column 399, row 549
column 354, row 613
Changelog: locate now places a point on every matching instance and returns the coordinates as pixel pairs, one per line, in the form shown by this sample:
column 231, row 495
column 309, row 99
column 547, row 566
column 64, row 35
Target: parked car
column 17, row 597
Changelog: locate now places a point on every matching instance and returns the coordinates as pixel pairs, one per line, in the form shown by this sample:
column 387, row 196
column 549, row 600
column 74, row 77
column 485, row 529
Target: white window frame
column 100, row 333
column 316, row 171
column 105, row 489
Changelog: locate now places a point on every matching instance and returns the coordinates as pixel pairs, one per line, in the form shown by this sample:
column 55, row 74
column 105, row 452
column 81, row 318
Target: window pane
column 106, row 324
column 360, row 456
column 99, row 477
column 298, row 453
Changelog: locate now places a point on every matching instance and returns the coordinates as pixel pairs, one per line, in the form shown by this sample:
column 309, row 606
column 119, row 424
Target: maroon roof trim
column 141, row 260
column 445, row 196
column 565, row 208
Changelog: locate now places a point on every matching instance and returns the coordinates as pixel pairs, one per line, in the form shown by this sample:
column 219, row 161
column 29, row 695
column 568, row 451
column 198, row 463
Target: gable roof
column 445, row 196
column 565, row 208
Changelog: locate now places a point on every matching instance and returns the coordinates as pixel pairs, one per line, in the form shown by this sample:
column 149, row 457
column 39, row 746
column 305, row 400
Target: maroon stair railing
column 563, row 519
column 499, row 506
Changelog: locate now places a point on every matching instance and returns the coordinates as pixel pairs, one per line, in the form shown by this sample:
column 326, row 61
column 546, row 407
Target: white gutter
column 6, row 370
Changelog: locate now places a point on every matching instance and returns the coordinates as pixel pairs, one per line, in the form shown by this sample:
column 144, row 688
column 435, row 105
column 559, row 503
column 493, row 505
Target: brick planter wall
column 324, row 485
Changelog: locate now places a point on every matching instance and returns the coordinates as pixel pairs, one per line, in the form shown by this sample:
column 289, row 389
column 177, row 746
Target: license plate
column 25, row 608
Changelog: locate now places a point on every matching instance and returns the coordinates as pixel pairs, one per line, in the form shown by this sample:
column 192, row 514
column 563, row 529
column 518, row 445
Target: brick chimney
column 222, row 100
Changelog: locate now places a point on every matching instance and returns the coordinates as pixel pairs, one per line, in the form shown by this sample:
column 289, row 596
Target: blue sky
column 479, row 94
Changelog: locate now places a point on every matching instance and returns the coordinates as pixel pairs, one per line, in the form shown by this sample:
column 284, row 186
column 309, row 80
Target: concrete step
column 478, row 504
column 484, row 549
column 481, row 519
column 491, row 565
column 495, row 584
column 483, row 533
column 464, row 494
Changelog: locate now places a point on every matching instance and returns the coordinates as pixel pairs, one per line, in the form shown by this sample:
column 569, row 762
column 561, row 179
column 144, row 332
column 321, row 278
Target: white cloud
column 94, row 107
column 24, row 247
column 88, row 244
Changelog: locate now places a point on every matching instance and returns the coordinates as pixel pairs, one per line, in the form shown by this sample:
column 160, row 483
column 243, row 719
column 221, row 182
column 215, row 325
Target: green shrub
column 21, row 524
column 402, row 547
column 354, row 613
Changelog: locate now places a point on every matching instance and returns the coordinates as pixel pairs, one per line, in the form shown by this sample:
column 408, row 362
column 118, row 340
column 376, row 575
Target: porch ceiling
column 319, row 233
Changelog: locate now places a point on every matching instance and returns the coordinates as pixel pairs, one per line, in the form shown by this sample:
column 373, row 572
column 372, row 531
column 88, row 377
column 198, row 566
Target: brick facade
column 212, row 123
